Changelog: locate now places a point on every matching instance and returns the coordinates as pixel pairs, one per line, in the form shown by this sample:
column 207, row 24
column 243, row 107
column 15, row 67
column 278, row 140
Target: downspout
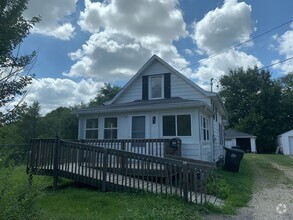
column 213, row 139
column 200, row 141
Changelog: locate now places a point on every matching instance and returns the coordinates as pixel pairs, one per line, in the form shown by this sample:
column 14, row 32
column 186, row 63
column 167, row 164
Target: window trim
column 111, row 128
column 176, row 124
column 205, row 131
column 91, row 129
column 150, row 87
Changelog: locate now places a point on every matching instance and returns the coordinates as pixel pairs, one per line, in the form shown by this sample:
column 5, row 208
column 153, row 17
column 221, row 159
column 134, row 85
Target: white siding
column 286, row 141
column 134, row 92
column 180, row 88
column 156, row 68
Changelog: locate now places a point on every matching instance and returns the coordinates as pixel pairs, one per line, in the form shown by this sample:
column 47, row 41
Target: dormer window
column 156, row 87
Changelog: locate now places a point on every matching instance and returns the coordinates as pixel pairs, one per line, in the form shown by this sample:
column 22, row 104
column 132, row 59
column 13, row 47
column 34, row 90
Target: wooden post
column 105, row 168
column 30, row 177
column 55, row 165
column 185, row 180
column 29, row 166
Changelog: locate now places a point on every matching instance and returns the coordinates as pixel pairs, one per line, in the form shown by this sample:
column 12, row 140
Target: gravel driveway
column 271, row 200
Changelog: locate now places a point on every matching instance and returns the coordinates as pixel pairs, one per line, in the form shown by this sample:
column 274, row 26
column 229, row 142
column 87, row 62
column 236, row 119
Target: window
column 110, row 128
column 215, row 110
column 177, row 125
column 92, row 128
column 156, row 87
column 169, row 125
column 205, row 128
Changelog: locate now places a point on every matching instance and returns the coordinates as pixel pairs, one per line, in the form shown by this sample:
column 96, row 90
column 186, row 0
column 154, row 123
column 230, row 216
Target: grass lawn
column 72, row 201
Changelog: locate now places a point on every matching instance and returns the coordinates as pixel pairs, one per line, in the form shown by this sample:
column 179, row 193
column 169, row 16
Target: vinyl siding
column 179, row 87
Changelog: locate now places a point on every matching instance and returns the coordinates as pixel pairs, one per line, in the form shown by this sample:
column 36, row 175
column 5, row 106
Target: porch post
column 55, row 165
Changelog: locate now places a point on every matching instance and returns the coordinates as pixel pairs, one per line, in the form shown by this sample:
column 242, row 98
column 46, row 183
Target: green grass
column 80, row 203
column 72, row 201
column 236, row 188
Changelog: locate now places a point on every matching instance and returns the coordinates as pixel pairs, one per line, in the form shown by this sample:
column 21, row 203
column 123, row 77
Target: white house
column 160, row 102
column 241, row 139
column 285, row 142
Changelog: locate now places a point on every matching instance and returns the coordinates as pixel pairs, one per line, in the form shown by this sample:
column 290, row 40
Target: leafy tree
column 253, row 102
column 25, row 127
column 59, row 122
column 29, row 122
column 286, row 83
column 106, row 93
column 14, row 68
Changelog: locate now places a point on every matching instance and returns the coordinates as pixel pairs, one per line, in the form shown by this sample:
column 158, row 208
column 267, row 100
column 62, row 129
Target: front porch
column 112, row 168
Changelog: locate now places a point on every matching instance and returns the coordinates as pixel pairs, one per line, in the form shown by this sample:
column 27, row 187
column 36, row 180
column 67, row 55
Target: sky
column 83, row 43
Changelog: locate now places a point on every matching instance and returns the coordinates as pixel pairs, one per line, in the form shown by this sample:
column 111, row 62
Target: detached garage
column 285, row 142
column 241, row 139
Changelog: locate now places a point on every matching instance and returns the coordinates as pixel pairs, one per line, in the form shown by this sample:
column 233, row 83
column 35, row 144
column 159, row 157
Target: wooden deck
column 119, row 170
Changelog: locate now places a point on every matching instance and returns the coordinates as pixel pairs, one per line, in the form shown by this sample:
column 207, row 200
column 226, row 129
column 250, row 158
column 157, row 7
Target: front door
column 138, row 127
column 138, row 132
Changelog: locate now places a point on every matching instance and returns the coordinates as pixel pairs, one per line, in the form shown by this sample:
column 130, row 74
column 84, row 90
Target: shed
column 245, row 141
column 285, row 142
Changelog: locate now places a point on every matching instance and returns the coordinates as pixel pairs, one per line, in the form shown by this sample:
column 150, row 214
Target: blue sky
column 83, row 43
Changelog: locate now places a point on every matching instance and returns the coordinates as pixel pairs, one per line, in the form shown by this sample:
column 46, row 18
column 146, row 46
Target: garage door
column 291, row 145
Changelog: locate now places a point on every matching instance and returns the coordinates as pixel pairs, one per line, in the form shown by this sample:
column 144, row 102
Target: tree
column 59, row 122
column 286, row 83
column 29, row 122
column 253, row 103
column 14, row 68
column 106, row 93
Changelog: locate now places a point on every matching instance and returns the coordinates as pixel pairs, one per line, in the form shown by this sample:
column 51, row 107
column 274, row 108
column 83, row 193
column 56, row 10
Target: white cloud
column 125, row 34
column 142, row 19
column 223, row 27
column 285, row 48
column 52, row 93
column 219, row 65
column 218, row 31
column 188, row 52
column 108, row 57
column 55, row 17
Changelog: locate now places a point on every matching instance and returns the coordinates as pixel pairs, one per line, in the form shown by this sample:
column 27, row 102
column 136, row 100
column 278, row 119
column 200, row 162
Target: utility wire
column 273, row 64
column 240, row 44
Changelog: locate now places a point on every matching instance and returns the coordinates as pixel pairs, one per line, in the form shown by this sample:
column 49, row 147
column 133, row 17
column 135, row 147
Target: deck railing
column 152, row 147
column 120, row 170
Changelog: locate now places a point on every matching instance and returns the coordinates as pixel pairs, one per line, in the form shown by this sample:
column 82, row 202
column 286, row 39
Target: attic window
column 156, row 88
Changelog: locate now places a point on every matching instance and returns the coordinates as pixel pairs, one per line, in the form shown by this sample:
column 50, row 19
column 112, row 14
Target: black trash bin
column 232, row 159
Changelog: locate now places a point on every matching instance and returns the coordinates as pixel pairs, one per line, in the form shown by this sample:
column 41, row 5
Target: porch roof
column 145, row 105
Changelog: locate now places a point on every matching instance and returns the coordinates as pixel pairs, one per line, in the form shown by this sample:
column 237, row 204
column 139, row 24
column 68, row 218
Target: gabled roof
column 232, row 133
column 145, row 67
column 286, row 132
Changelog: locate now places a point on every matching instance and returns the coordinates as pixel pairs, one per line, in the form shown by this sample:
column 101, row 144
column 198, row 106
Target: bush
column 13, row 155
